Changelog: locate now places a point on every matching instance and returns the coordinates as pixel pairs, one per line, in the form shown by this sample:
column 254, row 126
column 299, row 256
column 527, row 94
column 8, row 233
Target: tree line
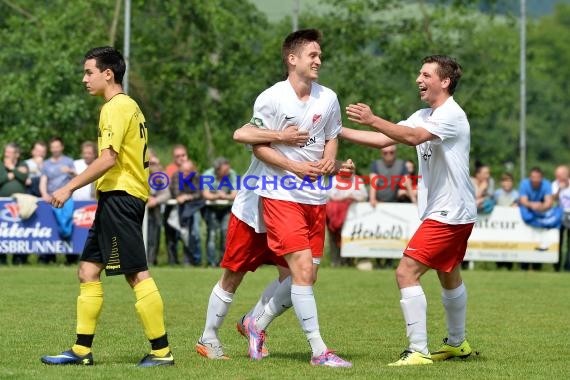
column 196, row 68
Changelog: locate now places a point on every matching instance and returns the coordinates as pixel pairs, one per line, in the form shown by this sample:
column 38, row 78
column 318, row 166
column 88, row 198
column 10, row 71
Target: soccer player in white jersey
column 246, row 247
column 246, row 243
column 446, row 202
column 294, row 209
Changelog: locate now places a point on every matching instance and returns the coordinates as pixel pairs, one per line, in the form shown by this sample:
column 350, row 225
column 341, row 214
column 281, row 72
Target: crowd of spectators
column 182, row 215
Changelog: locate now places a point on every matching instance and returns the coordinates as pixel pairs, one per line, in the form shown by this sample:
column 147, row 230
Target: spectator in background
column 157, row 198
column 561, row 195
column 189, row 200
column 179, row 155
column 403, row 193
column 484, row 189
column 537, row 206
column 13, row 175
column 339, row 200
column 387, row 170
column 88, row 155
column 507, row 195
column 57, row 171
column 35, row 164
column 219, row 197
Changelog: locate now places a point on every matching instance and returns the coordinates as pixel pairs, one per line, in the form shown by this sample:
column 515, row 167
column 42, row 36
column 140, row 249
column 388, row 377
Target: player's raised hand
column 360, row 113
column 293, row 136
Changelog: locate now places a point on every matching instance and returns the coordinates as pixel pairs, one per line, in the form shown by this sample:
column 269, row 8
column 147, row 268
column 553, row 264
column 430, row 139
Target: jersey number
column 142, row 131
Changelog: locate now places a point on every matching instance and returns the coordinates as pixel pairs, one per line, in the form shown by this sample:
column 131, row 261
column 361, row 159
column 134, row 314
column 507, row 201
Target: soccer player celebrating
column 115, row 241
column 246, row 246
column 446, row 203
column 295, row 215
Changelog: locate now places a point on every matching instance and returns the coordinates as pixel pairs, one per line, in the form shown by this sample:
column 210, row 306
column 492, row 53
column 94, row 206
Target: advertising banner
column 384, row 231
column 39, row 234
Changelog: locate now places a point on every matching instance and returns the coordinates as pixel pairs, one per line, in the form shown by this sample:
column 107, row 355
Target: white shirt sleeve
column 332, row 129
column 264, row 112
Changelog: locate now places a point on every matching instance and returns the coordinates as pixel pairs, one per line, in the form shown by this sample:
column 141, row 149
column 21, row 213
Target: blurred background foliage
column 197, row 66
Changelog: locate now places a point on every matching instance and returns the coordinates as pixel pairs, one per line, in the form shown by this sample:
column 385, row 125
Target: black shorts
column 115, row 239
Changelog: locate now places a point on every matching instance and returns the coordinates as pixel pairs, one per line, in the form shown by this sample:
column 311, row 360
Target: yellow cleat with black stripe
column 412, row 358
column 447, row 351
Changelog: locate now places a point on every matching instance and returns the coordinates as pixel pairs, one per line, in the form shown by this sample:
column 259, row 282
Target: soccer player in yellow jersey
column 115, row 241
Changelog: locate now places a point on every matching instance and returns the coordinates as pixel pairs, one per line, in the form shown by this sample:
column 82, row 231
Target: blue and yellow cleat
column 152, row 360
column 67, row 358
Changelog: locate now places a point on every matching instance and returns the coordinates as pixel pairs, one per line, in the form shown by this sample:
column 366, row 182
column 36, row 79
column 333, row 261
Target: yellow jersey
column 122, row 128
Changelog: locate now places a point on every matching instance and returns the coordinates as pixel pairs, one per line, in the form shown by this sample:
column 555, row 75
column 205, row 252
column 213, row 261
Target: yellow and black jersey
column 122, row 128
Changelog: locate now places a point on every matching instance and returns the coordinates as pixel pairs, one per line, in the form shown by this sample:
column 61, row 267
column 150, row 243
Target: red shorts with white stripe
column 439, row 245
column 247, row 250
column 293, row 227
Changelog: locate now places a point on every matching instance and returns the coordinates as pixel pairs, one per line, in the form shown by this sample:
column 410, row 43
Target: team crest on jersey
column 316, row 118
column 257, row 122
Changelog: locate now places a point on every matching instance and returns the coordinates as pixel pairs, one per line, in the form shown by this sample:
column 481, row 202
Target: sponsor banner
column 39, row 234
column 384, row 231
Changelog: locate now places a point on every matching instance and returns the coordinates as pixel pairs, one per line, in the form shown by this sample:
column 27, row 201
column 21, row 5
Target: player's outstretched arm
column 362, row 114
column 367, row 138
column 251, row 134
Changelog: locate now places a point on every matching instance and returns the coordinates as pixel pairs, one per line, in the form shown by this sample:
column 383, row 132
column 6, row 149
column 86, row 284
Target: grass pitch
column 518, row 321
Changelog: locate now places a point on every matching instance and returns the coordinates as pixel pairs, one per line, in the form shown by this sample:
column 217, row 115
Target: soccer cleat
column 68, row 357
column 412, row 358
column 330, row 359
column 242, row 329
column 152, row 360
column 210, row 350
column 447, row 351
column 256, row 338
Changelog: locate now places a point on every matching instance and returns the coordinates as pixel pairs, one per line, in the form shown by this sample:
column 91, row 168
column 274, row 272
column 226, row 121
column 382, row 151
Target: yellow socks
column 150, row 309
column 89, row 305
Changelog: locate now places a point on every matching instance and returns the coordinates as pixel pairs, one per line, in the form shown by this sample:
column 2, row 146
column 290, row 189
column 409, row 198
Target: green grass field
column 518, row 321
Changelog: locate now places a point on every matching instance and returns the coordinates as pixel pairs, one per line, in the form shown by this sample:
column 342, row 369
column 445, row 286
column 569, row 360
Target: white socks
column 414, row 308
column 277, row 305
column 218, row 306
column 265, row 297
column 305, row 306
column 455, row 304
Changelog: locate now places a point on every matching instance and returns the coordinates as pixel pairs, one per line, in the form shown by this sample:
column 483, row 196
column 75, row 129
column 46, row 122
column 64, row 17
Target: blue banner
column 39, row 234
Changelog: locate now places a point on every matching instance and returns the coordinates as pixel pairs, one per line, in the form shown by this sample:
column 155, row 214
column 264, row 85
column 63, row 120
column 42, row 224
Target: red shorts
column 247, row 250
column 438, row 245
column 293, row 227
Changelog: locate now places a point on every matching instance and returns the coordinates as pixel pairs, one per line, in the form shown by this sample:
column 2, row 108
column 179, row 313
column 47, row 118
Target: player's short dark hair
column 447, row 68
column 296, row 40
column 107, row 57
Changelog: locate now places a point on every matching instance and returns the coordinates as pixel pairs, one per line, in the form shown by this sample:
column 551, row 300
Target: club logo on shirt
column 316, row 118
column 256, row 121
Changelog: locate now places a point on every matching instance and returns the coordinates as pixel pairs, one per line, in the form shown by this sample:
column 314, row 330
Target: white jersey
column 246, row 206
column 445, row 190
column 279, row 107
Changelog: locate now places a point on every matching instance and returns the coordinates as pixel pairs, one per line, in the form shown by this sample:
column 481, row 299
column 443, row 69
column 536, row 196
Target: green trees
column 197, row 66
